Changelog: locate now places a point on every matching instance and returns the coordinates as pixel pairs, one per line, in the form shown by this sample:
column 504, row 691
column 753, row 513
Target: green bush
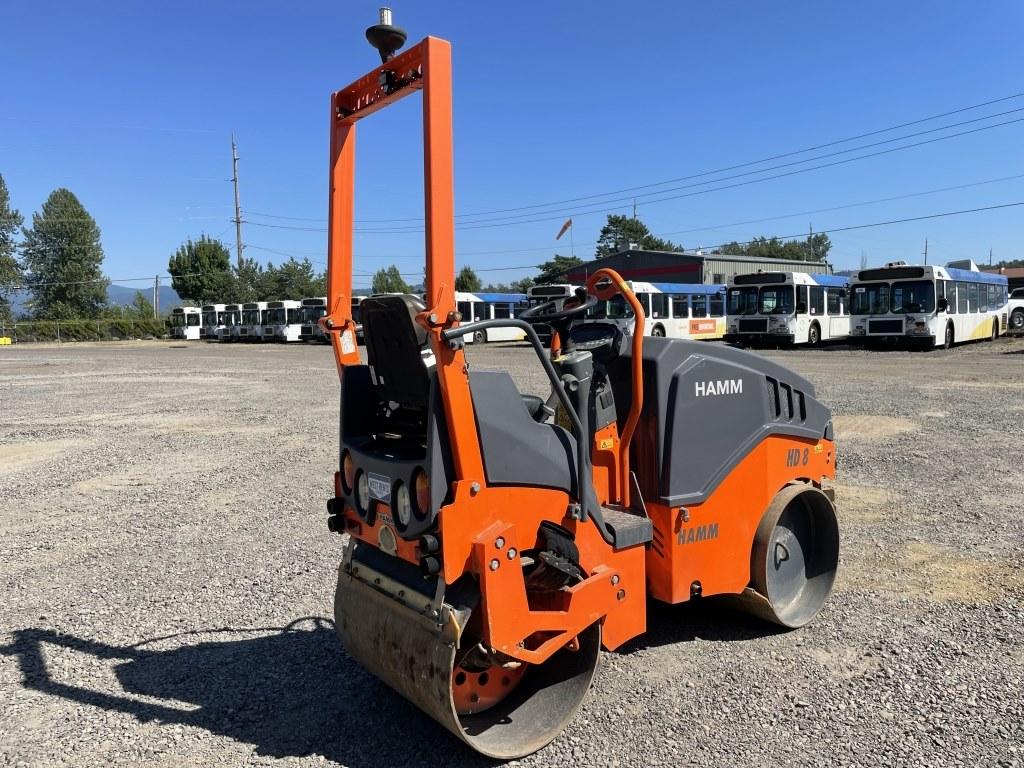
column 85, row 330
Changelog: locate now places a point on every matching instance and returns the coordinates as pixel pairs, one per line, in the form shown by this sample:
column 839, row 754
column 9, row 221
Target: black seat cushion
column 394, row 346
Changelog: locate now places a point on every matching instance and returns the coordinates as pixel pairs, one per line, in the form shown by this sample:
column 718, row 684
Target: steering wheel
column 548, row 312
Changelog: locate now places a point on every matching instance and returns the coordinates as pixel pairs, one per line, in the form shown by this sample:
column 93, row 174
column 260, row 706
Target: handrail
column 584, row 484
column 618, row 285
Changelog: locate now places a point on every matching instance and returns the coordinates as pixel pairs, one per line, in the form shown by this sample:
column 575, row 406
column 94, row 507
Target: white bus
column 232, row 323
column 674, row 310
column 541, row 294
column 186, row 323
column 212, row 322
column 491, row 306
column 311, row 312
column 788, row 308
column 284, row 321
column 927, row 306
column 254, row 315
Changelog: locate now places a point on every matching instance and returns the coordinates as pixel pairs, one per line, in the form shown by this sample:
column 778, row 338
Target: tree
column 292, row 280
column 63, row 258
column 201, row 271
column 389, row 281
column 554, row 271
column 141, row 307
column 249, row 282
column 467, row 280
column 10, row 268
column 620, row 231
column 815, row 248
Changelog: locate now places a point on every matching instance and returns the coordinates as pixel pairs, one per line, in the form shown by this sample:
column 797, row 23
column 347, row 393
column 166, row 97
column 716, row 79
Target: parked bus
column 212, row 322
column 674, row 310
column 541, row 294
column 491, row 306
column 230, row 330
column 787, row 307
column 311, row 312
column 186, row 323
column 254, row 316
column 928, row 306
column 284, row 321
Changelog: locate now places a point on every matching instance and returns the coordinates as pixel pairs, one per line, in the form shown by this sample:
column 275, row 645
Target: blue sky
column 131, row 105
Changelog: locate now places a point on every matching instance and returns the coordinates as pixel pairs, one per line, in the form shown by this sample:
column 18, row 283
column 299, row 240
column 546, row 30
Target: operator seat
column 396, row 349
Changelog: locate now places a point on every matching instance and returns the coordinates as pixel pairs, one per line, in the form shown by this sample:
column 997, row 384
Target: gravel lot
column 166, row 578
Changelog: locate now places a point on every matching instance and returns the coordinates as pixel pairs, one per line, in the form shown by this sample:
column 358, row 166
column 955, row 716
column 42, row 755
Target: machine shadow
column 291, row 692
column 712, row 618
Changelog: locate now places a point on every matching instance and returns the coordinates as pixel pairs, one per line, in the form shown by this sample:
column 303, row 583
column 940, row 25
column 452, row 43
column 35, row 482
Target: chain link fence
column 83, row 330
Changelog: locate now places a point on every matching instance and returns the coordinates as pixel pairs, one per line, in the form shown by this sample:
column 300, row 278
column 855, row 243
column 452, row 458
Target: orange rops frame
column 424, row 67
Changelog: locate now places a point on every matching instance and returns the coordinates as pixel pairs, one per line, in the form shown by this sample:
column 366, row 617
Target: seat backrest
column 394, row 348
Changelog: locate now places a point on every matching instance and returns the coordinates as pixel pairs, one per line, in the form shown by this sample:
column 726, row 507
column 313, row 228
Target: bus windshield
column 312, row 313
column 177, row 321
column 743, row 301
column 251, row 317
column 777, row 300
column 209, row 318
column 913, row 296
column 870, row 299
column 276, row 316
column 614, row 308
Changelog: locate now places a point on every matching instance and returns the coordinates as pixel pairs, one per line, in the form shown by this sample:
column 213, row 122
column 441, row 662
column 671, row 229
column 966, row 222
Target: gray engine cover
column 706, row 407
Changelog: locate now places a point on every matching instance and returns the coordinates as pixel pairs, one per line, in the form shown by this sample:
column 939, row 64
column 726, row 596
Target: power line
column 724, row 169
column 603, row 210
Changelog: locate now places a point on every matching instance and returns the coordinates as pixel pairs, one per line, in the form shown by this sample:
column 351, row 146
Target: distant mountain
column 122, row 295
column 117, row 295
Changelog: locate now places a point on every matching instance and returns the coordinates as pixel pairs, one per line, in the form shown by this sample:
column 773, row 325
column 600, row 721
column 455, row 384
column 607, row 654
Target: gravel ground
column 166, row 578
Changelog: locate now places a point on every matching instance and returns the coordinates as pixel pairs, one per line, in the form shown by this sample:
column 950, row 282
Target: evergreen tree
column 467, row 280
column 63, row 258
column 249, row 282
column 10, row 268
column 201, row 271
column 617, row 234
column 554, row 271
column 389, row 281
column 292, row 280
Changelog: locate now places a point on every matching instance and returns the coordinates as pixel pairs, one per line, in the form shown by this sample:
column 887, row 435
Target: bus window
column 777, row 300
column 699, row 304
column 916, row 296
column 983, row 298
column 743, row 301
column 817, row 300
column 717, row 305
column 681, row 305
column 659, row 305
column 801, row 299
column 501, row 311
column 833, row 305
column 465, row 310
column 961, row 298
column 972, row 297
column 645, row 302
column 949, row 291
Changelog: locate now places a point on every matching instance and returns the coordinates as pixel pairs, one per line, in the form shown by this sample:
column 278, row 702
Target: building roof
column 1010, row 272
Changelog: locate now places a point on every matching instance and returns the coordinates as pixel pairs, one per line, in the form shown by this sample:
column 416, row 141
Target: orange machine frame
column 485, row 516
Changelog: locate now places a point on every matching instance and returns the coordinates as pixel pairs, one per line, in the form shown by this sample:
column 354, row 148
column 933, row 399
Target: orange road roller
column 497, row 541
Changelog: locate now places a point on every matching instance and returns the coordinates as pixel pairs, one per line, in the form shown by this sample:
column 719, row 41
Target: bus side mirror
column 943, row 304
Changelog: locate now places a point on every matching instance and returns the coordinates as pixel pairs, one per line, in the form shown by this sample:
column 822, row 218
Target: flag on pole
column 564, row 229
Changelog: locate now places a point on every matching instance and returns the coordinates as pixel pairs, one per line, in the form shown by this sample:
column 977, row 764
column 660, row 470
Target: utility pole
column 926, row 250
column 238, row 208
column 156, row 297
column 634, row 209
column 990, row 257
column 810, row 240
